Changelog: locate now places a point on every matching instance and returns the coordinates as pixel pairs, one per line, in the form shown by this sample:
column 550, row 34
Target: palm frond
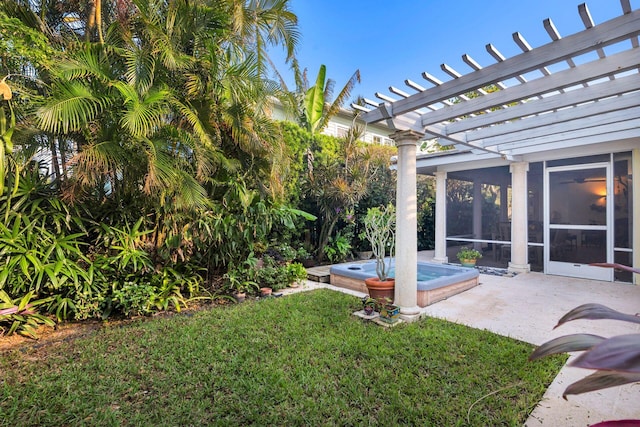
column 341, row 98
column 88, row 62
column 189, row 193
column 191, row 116
column 71, row 106
column 143, row 115
column 140, row 69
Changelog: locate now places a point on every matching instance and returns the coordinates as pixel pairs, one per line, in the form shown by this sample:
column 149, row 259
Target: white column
column 441, row 218
column 519, row 218
column 406, row 289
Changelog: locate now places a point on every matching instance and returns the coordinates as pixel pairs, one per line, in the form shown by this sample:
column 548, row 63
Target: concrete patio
column 527, row 307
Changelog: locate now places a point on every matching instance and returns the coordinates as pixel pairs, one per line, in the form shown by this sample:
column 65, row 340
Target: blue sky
column 393, row 40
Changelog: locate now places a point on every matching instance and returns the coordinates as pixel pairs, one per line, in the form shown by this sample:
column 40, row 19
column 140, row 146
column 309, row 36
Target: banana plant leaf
column 619, row 353
column 596, row 311
column 575, row 342
column 314, row 100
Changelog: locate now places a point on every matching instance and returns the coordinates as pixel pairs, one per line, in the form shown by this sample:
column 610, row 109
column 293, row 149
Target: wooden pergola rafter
column 586, row 98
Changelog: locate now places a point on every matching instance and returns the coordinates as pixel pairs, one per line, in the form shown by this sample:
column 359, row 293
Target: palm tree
column 259, row 24
column 339, row 185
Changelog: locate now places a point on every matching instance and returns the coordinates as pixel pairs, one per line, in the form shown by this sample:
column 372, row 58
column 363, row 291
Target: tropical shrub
column 616, row 360
column 273, row 274
column 426, row 213
column 240, row 280
column 134, row 299
column 296, row 273
column 41, row 244
column 20, row 315
column 338, row 248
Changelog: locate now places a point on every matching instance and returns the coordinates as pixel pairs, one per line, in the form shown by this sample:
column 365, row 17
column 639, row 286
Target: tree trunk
column 325, row 233
column 54, row 158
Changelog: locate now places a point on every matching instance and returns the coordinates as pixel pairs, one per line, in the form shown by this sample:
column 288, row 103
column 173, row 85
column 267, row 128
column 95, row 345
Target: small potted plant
column 238, row 284
column 468, row 256
column 389, row 312
column 379, row 224
column 363, row 247
column 265, row 291
column 369, row 305
column 296, row 273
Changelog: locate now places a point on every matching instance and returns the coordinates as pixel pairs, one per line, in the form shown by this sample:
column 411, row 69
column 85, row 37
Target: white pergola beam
column 436, row 132
column 384, row 97
column 371, row 102
column 583, row 10
column 574, row 97
column 493, row 51
column 602, row 35
column 526, row 47
column 398, row 92
column 473, row 64
column 360, row 108
column 612, row 64
column 531, row 125
column 415, row 86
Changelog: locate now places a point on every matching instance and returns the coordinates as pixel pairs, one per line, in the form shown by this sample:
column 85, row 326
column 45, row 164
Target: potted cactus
column 379, row 226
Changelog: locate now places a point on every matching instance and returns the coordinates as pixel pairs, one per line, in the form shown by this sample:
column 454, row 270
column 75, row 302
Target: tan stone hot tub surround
column 426, row 296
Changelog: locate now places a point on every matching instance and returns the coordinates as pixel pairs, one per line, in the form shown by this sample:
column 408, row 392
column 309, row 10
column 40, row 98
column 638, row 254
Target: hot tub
column 435, row 281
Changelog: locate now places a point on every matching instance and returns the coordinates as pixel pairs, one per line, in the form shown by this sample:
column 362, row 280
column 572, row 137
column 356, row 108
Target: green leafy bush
column 296, row 273
column 134, row 299
column 338, row 249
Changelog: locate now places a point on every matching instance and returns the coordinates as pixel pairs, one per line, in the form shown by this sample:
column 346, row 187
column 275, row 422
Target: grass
column 299, row 360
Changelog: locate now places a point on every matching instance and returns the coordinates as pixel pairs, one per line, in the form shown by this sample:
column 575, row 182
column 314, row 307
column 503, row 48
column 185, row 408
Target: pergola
column 564, row 96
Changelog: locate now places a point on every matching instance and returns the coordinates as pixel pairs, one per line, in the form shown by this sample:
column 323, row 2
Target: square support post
column 519, row 218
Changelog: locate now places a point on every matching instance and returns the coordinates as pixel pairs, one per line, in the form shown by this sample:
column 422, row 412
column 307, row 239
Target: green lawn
column 299, row 360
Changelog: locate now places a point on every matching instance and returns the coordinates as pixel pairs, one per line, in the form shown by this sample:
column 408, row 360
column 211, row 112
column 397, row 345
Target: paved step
column 319, row 274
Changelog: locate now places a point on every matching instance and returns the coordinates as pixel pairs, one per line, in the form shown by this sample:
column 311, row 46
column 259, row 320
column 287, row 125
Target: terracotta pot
column 265, row 292
column 240, row 296
column 380, row 288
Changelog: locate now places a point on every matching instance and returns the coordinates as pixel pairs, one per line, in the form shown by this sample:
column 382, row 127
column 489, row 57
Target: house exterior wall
column 340, row 123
